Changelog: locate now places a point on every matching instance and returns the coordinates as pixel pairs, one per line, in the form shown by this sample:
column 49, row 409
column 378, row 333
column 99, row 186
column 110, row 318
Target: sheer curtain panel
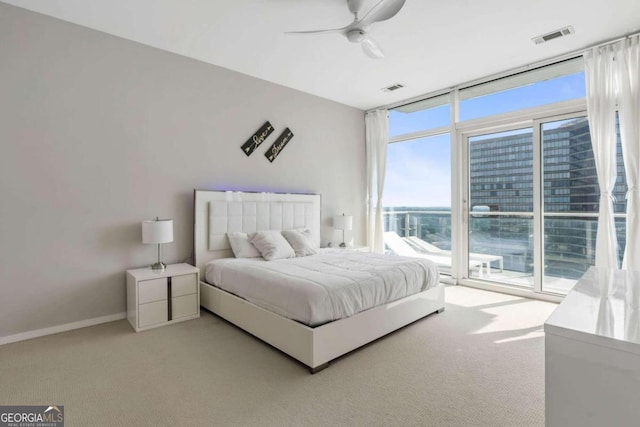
column 601, row 107
column 628, row 71
column 377, row 137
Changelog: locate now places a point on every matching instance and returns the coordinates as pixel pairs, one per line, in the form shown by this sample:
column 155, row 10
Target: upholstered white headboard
column 219, row 212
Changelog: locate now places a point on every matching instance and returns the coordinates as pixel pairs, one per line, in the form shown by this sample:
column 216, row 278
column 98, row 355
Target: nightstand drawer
column 184, row 285
column 184, row 306
column 152, row 290
column 152, row 313
column 157, row 298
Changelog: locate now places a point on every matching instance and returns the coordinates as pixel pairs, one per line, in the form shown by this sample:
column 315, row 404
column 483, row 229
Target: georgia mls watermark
column 31, row 416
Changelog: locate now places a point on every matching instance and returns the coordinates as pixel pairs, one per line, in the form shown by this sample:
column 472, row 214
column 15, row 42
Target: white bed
column 322, row 288
column 217, row 213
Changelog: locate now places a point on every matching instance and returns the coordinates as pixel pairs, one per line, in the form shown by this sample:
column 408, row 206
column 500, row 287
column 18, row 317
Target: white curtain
column 628, row 71
column 601, row 106
column 377, row 137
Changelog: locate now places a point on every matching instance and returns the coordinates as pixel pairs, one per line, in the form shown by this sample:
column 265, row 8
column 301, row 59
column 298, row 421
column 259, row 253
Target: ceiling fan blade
column 371, row 49
column 382, row 11
column 333, row 30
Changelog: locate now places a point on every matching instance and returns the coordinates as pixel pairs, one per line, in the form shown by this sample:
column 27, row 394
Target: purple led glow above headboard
column 257, row 189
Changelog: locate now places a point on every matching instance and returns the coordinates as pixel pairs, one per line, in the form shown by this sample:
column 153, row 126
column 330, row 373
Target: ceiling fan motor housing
column 356, row 35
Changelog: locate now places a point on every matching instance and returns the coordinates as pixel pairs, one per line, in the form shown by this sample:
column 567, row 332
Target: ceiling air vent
column 393, row 87
column 554, row 35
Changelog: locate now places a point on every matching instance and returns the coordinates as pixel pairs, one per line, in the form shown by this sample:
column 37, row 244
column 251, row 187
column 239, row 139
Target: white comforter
column 324, row 287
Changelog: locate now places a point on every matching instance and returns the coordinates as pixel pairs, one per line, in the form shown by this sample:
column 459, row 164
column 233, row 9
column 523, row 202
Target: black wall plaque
column 257, row 139
column 277, row 146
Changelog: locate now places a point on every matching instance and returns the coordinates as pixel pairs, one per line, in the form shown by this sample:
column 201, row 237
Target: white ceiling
column 429, row 45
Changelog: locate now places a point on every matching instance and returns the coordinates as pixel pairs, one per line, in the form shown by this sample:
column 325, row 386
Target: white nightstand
column 160, row 298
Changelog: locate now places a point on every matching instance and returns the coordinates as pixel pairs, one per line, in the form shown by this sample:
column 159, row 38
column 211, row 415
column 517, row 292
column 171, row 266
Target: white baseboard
column 61, row 328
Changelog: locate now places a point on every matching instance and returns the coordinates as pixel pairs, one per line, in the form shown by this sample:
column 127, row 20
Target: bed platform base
column 316, row 347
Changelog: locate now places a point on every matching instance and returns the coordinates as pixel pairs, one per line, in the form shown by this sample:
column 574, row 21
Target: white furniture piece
column 592, row 352
column 156, row 298
column 323, row 287
column 216, row 213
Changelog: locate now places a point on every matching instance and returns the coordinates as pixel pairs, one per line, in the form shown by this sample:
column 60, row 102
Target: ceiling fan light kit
column 357, row 31
column 356, row 36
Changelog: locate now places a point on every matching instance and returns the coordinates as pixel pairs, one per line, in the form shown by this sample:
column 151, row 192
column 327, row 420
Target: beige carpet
column 480, row 363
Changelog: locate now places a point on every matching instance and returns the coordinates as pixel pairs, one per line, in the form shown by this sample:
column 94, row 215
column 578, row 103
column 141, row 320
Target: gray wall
column 98, row 133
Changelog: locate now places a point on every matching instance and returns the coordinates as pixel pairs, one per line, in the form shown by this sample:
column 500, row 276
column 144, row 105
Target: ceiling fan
column 357, row 31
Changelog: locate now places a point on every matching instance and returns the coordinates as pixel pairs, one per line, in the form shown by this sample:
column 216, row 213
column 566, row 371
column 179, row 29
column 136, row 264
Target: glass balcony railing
column 570, row 247
column 425, row 232
column 508, row 235
column 501, row 245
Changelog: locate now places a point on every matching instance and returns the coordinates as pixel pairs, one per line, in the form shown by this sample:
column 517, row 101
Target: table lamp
column 157, row 231
column 343, row 223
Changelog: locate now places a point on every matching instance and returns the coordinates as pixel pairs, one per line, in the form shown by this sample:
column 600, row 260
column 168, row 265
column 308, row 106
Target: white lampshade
column 157, row 231
column 343, row 222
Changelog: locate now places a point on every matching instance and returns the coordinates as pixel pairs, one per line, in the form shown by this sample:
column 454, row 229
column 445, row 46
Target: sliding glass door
column 571, row 197
column 500, row 206
column 531, row 204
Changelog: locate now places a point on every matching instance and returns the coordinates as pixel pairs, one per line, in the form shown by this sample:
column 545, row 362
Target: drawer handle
column 170, row 315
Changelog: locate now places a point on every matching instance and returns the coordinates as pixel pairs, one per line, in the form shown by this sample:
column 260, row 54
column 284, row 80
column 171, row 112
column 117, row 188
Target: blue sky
column 419, row 171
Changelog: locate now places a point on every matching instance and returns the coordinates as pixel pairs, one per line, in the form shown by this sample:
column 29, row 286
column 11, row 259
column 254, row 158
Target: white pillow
column 301, row 241
column 241, row 245
column 272, row 245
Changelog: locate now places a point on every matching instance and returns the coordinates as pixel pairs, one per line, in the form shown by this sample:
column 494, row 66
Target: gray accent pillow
column 272, row 245
column 301, row 241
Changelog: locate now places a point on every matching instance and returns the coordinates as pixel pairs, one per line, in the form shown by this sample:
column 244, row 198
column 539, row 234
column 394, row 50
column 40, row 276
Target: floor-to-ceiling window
column 418, row 197
column 522, row 170
column 418, row 191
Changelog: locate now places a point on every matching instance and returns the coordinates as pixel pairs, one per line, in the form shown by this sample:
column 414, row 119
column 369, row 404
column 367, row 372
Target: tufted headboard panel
column 218, row 212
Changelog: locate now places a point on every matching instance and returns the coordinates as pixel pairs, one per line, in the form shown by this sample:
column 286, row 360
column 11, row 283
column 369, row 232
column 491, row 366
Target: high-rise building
column 501, row 182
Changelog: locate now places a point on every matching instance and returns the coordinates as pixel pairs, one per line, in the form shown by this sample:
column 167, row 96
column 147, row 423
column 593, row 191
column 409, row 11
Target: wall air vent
column 554, row 35
column 393, row 87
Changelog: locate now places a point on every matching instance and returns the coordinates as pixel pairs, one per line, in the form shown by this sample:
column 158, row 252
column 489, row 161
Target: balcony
column 501, row 244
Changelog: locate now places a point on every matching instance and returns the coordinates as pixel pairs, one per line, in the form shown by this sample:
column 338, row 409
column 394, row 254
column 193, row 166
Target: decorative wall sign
column 257, row 139
column 277, row 146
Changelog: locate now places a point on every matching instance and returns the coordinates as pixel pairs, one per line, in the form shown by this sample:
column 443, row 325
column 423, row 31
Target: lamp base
column 158, row 266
